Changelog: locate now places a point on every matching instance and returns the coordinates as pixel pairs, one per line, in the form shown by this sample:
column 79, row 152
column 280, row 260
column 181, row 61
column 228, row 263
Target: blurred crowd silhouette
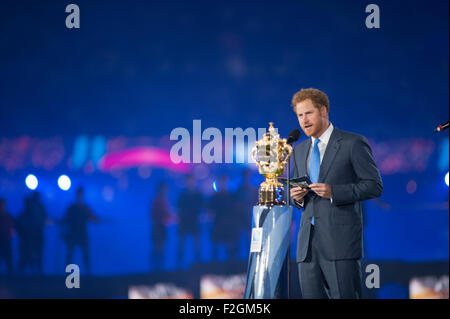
column 230, row 213
column 29, row 227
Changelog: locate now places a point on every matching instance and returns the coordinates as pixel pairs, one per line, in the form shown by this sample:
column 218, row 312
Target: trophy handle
column 253, row 154
column 288, row 151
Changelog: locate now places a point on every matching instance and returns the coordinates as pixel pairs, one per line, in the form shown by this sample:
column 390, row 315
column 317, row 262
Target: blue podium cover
column 268, row 253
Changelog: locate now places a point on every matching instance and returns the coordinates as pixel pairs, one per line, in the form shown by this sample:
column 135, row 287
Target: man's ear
column 323, row 111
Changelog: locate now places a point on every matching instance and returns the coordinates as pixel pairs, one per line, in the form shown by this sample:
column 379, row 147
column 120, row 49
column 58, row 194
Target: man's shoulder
column 350, row 136
column 302, row 144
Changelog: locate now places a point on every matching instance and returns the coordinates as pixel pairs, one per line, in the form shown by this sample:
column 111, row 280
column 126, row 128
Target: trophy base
column 269, row 203
column 271, row 194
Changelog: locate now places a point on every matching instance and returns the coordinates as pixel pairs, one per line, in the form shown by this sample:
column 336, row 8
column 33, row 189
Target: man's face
column 313, row 121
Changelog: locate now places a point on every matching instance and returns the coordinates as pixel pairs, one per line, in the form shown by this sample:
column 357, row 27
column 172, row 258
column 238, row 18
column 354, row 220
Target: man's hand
column 323, row 190
column 298, row 193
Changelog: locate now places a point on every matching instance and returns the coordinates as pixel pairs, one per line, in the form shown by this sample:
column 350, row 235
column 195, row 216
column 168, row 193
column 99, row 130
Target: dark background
column 136, row 70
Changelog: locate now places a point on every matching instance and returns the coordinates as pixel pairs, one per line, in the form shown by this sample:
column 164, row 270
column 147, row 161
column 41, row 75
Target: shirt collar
column 325, row 137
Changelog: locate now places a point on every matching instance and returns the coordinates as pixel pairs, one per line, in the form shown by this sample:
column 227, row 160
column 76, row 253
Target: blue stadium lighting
column 64, row 182
column 215, row 186
column 31, row 181
column 446, row 179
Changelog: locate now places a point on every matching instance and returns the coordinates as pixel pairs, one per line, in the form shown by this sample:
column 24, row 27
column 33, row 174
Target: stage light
column 215, row 186
column 31, row 181
column 446, row 179
column 64, row 182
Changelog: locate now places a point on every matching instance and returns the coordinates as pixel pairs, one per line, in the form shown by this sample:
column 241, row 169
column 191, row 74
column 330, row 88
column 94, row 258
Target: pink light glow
column 140, row 156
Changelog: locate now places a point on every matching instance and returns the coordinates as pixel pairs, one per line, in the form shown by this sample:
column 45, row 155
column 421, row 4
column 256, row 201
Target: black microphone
column 295, row 135
column 441, row 127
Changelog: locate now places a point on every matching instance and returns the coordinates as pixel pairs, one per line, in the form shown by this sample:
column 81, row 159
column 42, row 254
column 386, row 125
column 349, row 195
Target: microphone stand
column 288, row 173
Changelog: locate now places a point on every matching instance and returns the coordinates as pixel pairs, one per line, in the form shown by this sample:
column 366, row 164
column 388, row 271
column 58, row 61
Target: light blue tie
column 314, row 166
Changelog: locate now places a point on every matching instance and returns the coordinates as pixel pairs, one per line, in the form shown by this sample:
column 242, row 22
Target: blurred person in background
column 226, row 220
column 189, row 206
column 247, row 197
column 6, row 231
column 160, row 216
column 75, row 228
column 30, row 228
column 23, row 229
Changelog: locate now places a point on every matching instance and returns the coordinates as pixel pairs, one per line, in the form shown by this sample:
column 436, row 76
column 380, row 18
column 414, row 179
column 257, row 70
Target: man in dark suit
column 343, row 174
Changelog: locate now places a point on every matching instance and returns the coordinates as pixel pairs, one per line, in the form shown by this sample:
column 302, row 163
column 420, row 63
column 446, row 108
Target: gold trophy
column 271, row 154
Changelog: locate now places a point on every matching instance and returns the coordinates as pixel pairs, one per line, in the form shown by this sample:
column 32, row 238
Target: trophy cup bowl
column 271, row 154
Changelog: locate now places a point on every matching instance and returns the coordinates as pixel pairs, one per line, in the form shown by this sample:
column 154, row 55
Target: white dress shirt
column 324, row 139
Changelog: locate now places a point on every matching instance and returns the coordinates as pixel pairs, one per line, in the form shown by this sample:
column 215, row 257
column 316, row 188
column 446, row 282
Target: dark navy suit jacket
column 349, row 168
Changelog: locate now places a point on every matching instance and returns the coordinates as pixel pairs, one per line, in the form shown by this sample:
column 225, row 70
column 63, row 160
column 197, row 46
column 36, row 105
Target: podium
column 266, row 273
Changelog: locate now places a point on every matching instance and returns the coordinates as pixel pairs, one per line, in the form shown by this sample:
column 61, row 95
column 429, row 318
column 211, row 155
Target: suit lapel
column 330, row 154
column 304, row 157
